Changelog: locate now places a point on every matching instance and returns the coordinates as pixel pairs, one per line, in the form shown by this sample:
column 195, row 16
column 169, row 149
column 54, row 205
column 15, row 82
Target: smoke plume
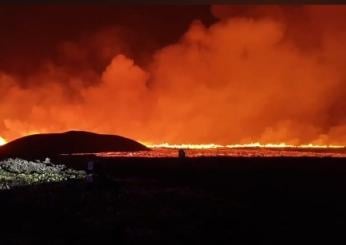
column 260, row 73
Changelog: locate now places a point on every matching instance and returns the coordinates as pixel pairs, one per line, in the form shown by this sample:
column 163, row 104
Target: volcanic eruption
column 236, row 75
column 2, row 141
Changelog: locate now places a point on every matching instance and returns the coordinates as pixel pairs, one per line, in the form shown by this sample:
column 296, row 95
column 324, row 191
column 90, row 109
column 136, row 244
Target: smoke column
column 260, row 73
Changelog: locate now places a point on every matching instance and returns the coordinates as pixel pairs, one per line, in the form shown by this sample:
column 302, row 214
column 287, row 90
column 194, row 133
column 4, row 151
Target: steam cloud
column 269, row 74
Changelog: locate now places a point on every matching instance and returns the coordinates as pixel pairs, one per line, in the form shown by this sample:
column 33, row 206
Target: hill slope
column 67, row 143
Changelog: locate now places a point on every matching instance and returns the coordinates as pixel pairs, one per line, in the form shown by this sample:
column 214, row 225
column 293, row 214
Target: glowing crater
column 2, row 141
column 235, row 146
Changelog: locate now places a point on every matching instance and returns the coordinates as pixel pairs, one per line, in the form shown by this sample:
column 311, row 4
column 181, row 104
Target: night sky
column 32, row 33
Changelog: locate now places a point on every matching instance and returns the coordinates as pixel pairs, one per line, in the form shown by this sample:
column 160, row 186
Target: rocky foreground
column 19, row 172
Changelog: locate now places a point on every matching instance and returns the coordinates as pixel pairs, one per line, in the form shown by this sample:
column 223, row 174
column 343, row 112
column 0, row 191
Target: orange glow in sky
column 2, row 141
column 255, row 74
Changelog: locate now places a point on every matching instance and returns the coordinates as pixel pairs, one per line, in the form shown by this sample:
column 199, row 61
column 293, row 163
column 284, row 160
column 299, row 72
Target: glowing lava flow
column 2, row 141
column 184, row 146
column 250, row 145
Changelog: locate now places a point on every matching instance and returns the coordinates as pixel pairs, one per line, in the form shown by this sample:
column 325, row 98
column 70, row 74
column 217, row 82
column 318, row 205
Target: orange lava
column 237, row 150
column 2, row 141
column 250, row 145
column 228, row 152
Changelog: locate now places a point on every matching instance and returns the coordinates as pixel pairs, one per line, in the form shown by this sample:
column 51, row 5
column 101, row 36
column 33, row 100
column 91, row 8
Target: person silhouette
column 181, row 153
column 90, row 174
column 90, row 167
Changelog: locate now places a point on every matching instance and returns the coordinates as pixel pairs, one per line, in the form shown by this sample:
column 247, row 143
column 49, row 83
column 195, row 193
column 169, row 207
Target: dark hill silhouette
column 42, row 145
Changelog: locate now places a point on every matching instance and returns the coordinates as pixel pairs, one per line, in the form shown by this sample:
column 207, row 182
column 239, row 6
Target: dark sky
column 32, row 33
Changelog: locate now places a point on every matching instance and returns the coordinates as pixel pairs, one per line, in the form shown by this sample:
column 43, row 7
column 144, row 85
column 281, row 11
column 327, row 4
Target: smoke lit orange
column 256, row 75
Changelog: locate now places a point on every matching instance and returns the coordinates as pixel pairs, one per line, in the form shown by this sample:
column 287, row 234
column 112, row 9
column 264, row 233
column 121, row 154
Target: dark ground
column 191, row 201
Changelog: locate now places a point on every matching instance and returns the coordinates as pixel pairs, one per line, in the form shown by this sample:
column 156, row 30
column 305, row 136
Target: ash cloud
column 269, row 74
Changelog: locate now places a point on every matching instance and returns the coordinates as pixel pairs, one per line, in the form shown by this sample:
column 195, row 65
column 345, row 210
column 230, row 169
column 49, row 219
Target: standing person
column 90, row 167
column 181, row 153
column 90, row 174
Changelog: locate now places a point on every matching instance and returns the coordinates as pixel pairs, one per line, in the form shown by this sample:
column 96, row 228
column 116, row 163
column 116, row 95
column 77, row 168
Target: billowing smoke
column 269, row 74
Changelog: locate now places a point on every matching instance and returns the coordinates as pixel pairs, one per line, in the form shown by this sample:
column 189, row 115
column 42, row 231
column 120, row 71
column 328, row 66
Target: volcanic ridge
column 70, row 142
